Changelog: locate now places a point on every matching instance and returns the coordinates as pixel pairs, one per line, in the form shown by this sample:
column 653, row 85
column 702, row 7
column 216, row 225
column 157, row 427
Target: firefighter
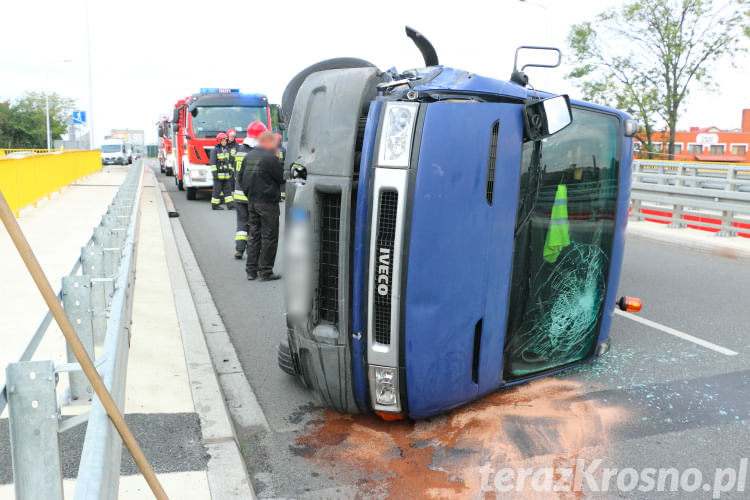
column 232, row 145
column 221, row 170
column 251, row 140
column 261, row 178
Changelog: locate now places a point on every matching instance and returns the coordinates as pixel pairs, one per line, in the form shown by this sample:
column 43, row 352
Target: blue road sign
column 79, row 117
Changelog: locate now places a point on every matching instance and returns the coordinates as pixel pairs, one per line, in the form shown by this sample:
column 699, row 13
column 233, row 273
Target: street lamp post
column 46, row 100
column 91, row 94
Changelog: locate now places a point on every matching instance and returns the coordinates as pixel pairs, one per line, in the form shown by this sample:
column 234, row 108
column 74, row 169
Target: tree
column 646, row 56
column 23, row 122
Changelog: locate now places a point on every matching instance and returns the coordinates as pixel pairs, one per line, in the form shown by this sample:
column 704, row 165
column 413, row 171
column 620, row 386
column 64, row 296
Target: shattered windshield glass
column 563, row 243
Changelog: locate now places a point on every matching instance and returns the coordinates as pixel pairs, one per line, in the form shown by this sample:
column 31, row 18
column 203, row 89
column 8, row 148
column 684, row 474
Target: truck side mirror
column 546, row 117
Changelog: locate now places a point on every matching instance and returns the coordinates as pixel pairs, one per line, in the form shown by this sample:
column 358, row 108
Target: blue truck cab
column 449, row 234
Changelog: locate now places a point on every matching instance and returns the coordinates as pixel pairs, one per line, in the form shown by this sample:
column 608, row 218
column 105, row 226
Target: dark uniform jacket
column 261, row 176
column 221, row 168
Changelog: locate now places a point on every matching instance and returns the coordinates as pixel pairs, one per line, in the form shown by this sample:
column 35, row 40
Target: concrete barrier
column 24, row 181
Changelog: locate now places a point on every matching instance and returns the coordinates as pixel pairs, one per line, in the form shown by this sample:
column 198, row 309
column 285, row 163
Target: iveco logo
column 384, row 268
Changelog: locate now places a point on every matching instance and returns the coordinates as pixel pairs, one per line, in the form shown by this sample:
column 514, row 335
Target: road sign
column 79, row 117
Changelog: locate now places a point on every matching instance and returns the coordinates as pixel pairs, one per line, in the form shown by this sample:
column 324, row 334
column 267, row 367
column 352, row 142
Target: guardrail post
column 76, row 299
column 727, row 216
column 92, row 264
column 34, row 420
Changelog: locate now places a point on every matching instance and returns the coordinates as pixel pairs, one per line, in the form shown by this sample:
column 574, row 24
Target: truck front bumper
column 197, row 176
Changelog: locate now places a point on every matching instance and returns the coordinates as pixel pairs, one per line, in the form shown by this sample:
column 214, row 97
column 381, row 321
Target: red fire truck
column 197, row 119
column 166, row 158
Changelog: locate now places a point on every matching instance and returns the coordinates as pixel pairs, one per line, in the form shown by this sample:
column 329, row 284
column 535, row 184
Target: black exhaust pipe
column 424, row 46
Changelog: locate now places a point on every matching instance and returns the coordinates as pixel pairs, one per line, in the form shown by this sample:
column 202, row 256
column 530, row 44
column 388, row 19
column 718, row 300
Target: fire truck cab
column 196, row 121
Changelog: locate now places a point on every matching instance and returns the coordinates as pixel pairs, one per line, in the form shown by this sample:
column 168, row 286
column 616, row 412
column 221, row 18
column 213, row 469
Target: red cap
column 220, row 136
column 255, row 129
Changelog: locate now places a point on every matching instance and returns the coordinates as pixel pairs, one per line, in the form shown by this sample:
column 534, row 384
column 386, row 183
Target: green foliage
column 23, row 122
column 645, row 56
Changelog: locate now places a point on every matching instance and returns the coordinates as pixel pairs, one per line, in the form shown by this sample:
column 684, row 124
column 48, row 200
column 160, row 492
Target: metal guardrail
column 99, row 303
column 712, row 197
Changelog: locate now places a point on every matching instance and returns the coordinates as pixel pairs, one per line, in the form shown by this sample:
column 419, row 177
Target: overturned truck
column 447, row 234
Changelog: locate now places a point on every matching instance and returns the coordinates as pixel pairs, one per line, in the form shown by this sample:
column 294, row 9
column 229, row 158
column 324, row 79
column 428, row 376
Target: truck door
column 460, row 244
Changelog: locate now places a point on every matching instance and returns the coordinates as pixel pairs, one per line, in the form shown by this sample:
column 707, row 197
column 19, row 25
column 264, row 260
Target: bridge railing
column 26, row 180
column 98, row 302
column 712, row 197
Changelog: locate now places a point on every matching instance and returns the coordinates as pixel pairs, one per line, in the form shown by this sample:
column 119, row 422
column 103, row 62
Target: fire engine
column 197, row 119
column 166, row 158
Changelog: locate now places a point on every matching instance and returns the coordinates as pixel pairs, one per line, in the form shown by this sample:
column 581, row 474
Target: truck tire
column 286, row 363
column 290, row 92
column 179, row 184
column 168, row 171
column 190, row 193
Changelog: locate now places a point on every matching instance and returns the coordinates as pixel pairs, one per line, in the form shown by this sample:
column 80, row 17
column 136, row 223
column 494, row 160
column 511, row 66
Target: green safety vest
column 558, row 235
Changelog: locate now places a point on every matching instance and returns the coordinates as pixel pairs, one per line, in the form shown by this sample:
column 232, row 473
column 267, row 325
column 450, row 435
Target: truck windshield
column 563, row 243
column 210, row 120
column 111, row 148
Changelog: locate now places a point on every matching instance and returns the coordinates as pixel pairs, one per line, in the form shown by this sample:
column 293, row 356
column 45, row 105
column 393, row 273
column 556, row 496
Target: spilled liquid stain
column 544, row 423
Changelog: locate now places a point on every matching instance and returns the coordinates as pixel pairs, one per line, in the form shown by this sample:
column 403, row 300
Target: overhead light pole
column 46, row 99
column 90, row 117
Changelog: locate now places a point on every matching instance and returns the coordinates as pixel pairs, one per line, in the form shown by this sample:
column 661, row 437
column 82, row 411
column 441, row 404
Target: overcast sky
column 148, row 54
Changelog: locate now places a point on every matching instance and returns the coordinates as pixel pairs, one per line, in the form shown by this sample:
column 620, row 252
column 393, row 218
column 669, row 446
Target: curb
column 729, row 249
column 226, row 472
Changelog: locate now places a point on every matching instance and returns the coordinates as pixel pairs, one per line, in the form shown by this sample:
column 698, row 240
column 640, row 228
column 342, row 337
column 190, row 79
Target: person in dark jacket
column 251, row 141
column 261, row 178
column 221, row 170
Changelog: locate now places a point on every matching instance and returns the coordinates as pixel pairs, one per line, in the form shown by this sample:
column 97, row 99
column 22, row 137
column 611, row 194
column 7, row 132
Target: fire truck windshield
column 210, row 120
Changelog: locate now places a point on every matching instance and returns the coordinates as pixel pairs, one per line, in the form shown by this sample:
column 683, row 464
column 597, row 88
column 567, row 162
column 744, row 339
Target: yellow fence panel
column 23, row 181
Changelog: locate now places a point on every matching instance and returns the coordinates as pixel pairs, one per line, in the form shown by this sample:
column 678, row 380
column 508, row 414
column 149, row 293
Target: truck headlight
column 197, row 174
column 395, row 138
column 384, row 387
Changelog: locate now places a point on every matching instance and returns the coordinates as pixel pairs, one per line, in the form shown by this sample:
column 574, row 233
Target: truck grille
column 387, row 210
column 328, row 273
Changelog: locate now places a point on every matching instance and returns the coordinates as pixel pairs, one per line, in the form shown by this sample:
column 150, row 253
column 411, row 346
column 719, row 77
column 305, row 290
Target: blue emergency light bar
column 216, row 90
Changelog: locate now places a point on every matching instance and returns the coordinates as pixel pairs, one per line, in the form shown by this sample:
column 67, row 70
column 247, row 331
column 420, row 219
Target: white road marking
column 677, row 333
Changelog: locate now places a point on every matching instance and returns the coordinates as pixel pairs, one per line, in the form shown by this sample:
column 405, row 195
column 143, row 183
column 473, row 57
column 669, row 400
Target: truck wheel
column 286, row 363
column 190, row 193
column 168, row 171
column 179, row 184
column 162, row 168
column 290, row 92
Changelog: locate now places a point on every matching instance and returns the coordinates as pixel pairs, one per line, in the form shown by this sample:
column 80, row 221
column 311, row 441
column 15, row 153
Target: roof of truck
column 458, row 81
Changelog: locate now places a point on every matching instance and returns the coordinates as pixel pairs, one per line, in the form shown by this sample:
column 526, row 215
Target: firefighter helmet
column 220, row 137
column 231, row 131
column 255, row 129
